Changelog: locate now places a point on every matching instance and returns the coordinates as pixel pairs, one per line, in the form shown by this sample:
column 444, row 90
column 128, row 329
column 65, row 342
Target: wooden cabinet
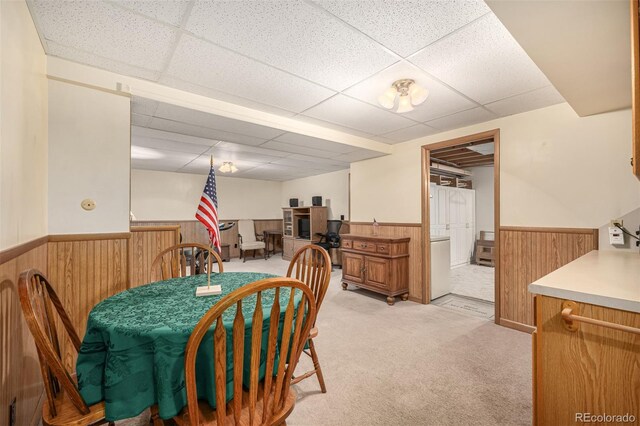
column 376, row 263
column 594, row 369
column 301, row 226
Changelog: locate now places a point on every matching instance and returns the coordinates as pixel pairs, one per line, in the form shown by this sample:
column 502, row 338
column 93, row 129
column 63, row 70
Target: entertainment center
column 301, row 226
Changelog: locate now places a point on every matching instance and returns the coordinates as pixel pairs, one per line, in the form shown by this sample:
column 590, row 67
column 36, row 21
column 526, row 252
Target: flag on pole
column 207, row 212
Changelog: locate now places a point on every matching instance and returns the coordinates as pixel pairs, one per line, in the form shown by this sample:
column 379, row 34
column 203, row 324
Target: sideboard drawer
column 383, row 248
column 347, row 244
column 364, row 246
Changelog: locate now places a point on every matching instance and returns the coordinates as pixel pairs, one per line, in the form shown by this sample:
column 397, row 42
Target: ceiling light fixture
column 228, row 166
column 408, row 92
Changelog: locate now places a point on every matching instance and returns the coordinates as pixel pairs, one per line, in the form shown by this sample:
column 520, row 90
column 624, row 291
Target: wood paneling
column 19, row 366
column 528, row 254
column 194, row 231
column 84, row 272
column 411, row 230
column 592, row 370
column 145, row 244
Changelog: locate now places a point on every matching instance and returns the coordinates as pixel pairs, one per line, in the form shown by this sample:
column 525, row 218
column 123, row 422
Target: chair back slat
column 220, row 369
column 256, row 345
column 271, row 351
column 175, row 262
column 37, row 299
column 311, row 264
column 238, row 360
column 293, row 337
column 284, row 352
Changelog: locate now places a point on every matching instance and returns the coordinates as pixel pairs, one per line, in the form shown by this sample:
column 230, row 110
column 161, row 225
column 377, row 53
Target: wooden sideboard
column 379, row 264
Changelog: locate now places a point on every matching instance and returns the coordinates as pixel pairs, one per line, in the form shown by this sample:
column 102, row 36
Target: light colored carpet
column 408, row 364
column 474, row 281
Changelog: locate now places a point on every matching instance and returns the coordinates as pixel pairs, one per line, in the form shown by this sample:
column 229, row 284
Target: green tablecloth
column 132, row 355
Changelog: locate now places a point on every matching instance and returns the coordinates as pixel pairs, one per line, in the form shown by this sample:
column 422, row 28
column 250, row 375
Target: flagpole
column 209, row 257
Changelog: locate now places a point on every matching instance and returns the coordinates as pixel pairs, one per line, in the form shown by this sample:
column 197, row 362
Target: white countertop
column 603, row 278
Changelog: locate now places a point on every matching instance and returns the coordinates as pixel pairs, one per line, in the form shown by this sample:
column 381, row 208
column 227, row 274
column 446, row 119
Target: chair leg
column 316, row 366
column 243, row 256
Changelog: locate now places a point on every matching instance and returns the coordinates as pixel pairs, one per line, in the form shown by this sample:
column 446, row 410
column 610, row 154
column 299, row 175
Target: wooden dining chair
column 64, row 404
column 311, row 264
column 268, row 401
column 183, row 260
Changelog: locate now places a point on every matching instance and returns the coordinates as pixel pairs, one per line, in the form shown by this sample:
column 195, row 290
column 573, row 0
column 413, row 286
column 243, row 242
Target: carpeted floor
column 408, row 364
column 473, row 281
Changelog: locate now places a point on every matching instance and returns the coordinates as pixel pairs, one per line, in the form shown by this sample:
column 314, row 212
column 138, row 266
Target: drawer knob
column 382, row 248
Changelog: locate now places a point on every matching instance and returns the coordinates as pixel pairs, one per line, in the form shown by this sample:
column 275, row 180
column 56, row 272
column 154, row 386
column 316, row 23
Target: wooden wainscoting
column 19, row 366
column 84, row 270
column 411, row 230
column 527, row 254
column 145, row 244
column 194, row 231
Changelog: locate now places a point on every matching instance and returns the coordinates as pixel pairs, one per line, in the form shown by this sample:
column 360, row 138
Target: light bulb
column 404, row 104
column 233, row 168
column 418, row 94
column 388, row 98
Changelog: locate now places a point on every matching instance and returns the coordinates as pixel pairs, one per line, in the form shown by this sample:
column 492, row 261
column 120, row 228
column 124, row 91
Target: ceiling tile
column 55, row 49
column 306, row 164
column 138, row 131
column 168, row 145
column 316, row 143
column 319, row 161
column 535, row 99
column 441, row 101
column 212, row 121
column 409, row 25
column 170, row 12
column 333, row 126
column 482, row 61
column 293, row 36
column 202, row 164
column 234, row 147
column 158, row 159
column 296, row 149
column 358, row 115
column 210, row 66
column 105, row 30
column 143, row 106
column 461, row 119
column 220, row 154
column 202, row 132
column 140, row 120
column 359, row 155
column 409, row 133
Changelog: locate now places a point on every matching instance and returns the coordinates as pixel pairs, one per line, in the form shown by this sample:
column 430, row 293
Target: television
column 304, row 228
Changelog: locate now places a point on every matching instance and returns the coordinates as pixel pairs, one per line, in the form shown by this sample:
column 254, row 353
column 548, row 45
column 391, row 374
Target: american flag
column 207, row 212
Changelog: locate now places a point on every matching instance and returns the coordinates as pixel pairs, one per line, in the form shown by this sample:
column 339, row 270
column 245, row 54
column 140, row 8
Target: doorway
column 461, row 224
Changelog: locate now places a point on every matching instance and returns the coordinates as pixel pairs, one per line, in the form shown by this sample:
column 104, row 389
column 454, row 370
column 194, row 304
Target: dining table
column 132, row 354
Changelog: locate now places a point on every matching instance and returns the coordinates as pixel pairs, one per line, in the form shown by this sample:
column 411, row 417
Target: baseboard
column 517, row 326
column 415, row 299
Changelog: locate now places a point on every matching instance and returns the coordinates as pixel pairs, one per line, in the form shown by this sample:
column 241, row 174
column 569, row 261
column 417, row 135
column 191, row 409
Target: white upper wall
column 483, row 184
column 175, row 196
column 332, row 187
column 23, row 134
column 89, row 158
column 556, row 170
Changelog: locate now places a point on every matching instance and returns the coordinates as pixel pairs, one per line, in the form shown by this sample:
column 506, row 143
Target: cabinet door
column 376, row 271
column 353, row 267
column 287, row 248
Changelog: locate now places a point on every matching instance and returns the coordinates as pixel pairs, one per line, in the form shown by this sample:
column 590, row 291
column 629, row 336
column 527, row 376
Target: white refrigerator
column 440, row 266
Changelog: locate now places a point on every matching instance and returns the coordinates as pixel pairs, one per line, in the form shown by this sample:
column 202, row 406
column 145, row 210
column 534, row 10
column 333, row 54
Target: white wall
column 175, row 196
column 556, row 170
column 23, row 134
column 89, row 157
column 483, row 184
column 333, row 187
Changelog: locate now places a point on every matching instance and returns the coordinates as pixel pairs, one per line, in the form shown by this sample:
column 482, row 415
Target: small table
column 270, row 236
column 132, row 355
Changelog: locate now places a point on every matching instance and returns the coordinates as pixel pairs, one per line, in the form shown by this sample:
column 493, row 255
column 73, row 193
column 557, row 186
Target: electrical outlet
column 12, row 413
column 235, row 246
column 614, row 221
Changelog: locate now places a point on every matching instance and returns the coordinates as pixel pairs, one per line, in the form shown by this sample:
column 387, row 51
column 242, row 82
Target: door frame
column 426, row 218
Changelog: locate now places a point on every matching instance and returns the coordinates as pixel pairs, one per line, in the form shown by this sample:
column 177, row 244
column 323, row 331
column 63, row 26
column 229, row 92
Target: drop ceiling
column 166, row 137
column 322, row 62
